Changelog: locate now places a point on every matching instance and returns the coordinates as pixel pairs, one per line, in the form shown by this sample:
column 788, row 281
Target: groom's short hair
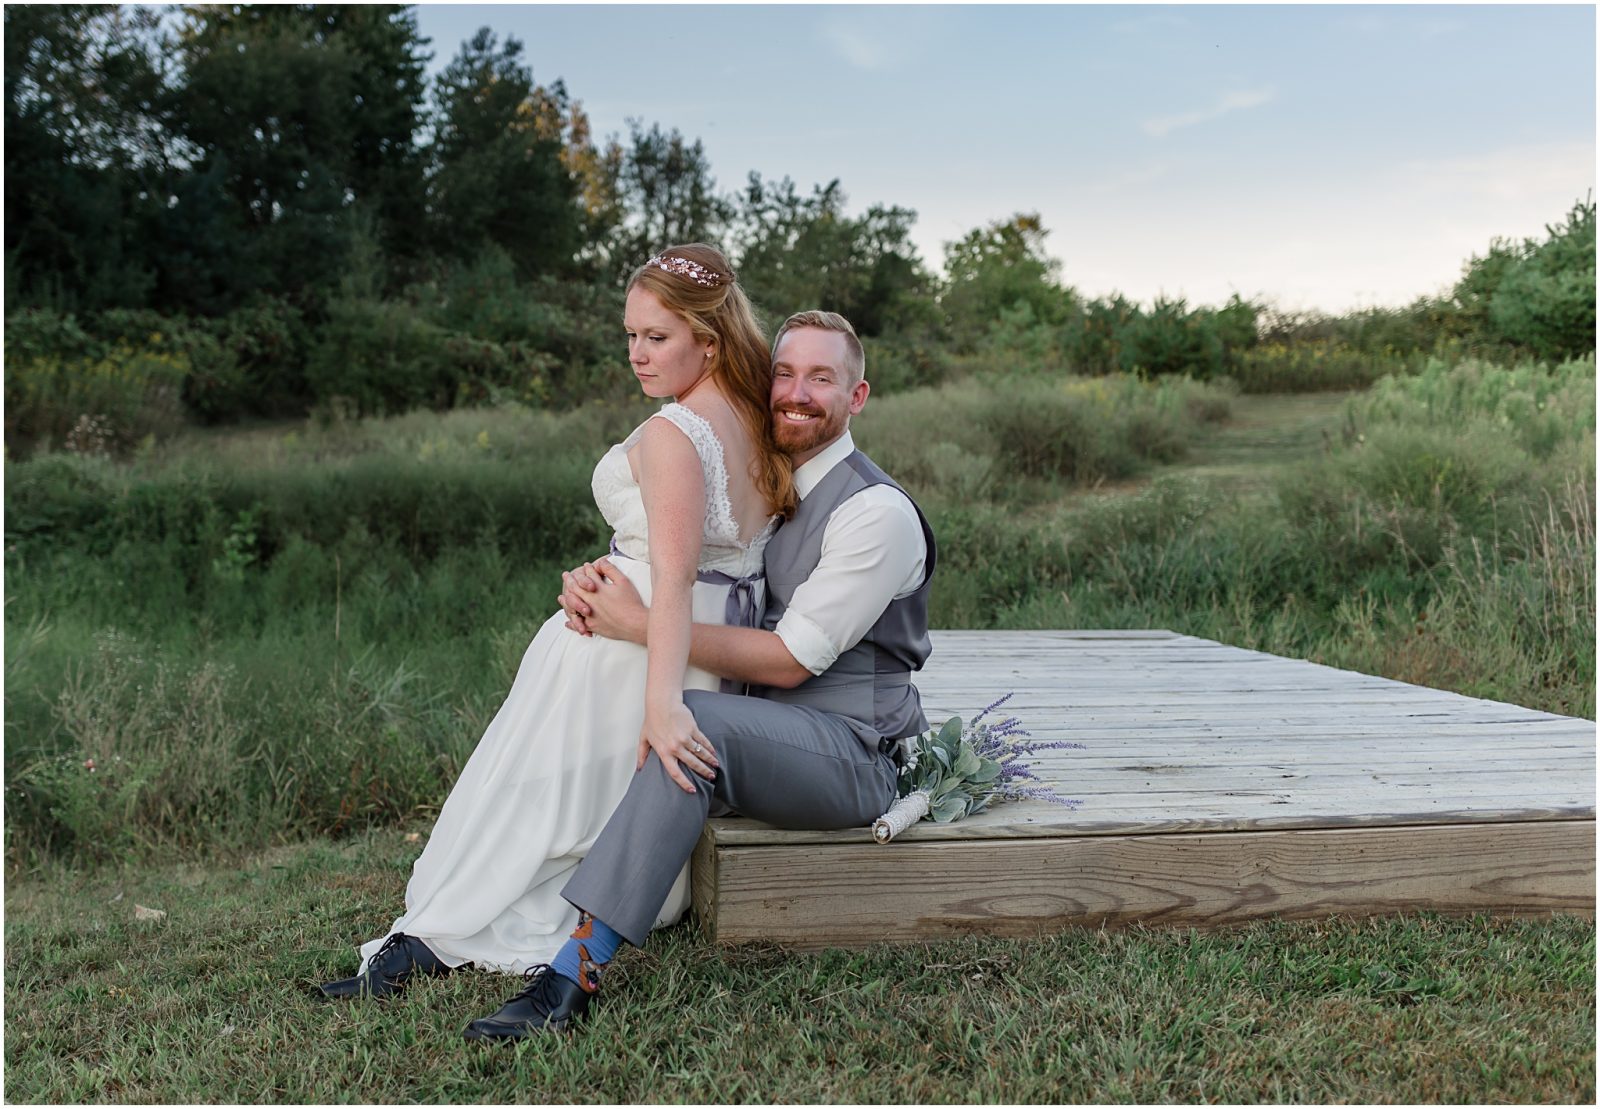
column 855, row 359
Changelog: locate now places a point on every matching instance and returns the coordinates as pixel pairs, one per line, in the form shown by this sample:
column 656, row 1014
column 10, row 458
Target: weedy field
column 241, row 665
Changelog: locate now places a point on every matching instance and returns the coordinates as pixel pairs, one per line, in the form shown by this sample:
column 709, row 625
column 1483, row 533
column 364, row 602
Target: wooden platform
column 1218, row 785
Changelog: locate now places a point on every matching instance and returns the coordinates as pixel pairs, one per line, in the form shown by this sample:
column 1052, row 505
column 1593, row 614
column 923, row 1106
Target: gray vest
column 869, row 684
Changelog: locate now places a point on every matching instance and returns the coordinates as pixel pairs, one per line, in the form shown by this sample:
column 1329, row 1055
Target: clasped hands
column 598, row 599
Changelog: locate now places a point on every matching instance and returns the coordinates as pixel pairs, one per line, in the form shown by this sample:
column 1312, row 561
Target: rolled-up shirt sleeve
column 873, row 551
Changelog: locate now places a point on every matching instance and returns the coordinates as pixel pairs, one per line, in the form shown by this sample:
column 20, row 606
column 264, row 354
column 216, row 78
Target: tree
column 595, row 173
column 85, row 147
column 1001, row 266
column 499, row 174
column 1480, row 280
column 1171, row 339
column 804, row 252
column 305, row 115
column 1546, row 301
column 668, row 194
column 1539, row 296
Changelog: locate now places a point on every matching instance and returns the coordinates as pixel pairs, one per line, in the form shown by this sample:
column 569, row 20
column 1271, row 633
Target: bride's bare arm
column 672, row 485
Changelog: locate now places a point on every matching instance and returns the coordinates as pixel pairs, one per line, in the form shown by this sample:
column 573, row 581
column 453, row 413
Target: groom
column 846, row 623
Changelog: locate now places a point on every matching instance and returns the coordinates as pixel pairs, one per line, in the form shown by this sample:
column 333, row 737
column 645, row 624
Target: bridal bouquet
column 956, row 772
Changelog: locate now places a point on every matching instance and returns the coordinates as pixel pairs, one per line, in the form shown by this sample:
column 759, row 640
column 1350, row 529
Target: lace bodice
column 619, row 499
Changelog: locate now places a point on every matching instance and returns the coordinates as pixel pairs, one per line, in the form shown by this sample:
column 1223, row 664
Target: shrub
column 1020, row 340
column 1310, row 366
column 1539, row 406
column 94, row 404
column 898, row 364
column 1091, row 337
column 569, row 331
column 1170, row 339
column 1087, row 430
column 989, row 561
column 261, row 366
column 990, row 435
column 420, row 507
column 249, row 361
column 382, row 356
column 1404, row 494
column 1545, row 298
column 35, row 333
column 1513, row 622
column 327, row 617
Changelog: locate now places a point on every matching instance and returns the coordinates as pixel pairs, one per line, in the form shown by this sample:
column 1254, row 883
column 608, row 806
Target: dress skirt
column 547, row 774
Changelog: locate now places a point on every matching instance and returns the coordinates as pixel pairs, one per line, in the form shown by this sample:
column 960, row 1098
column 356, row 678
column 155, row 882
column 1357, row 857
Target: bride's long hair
column 697, row 285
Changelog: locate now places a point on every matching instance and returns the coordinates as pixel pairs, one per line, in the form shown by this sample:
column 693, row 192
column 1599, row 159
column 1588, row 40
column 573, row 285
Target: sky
column 1311, row 157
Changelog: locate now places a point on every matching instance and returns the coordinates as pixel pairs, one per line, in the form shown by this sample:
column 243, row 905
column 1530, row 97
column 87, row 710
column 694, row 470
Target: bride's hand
column 576, row 586
column 600, row 600
column 671, row 732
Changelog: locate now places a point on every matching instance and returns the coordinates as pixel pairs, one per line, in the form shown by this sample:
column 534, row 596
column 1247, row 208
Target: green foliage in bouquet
column 957, row 780
column 955, row 772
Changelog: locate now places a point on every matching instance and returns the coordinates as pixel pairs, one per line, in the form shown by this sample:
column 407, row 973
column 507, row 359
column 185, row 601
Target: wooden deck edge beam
column 742, row 832
column 807, row 896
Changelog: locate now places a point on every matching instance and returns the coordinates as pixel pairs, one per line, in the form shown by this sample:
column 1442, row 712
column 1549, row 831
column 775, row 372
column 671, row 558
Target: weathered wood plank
column 1533, row 769
column 1230, row 702
column 703, row 882
column 1273, row 748
column 1231, row 814
column 1165, row 728
column 1185, row 752
column 854, row 895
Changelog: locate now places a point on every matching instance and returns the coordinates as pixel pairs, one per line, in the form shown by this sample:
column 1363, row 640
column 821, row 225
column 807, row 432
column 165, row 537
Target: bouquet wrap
column 905, row 812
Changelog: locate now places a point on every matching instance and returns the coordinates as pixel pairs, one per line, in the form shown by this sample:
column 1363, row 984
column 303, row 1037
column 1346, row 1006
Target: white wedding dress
column 558, row 756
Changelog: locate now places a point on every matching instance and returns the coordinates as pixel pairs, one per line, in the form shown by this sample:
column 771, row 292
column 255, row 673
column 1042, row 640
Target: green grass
column 1264, row 433
column 212, row 1004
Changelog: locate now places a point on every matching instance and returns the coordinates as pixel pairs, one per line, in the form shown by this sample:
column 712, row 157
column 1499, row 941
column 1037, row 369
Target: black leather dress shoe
column 548, row 1003
column 401, row 958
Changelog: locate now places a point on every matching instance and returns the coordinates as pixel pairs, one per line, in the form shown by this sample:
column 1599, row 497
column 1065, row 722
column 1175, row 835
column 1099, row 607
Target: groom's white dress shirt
column 873, row 552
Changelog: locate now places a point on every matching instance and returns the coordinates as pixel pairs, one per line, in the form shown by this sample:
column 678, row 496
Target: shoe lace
column 396, row 939
column 540, row 979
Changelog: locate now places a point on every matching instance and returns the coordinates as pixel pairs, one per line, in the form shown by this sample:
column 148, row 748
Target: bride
column 693, row 494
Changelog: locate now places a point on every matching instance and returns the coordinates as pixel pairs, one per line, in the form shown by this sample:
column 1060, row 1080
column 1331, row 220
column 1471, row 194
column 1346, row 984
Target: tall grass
column 1537, row 406
column 1020, row 439
column 244, row 638
column 95, row 404
column 1312, row 365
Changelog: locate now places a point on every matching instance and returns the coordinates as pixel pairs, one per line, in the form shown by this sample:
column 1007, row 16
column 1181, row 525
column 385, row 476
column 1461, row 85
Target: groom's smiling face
column 813, row 395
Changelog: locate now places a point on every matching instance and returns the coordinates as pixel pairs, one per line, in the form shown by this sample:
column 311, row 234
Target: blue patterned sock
column 584, row 956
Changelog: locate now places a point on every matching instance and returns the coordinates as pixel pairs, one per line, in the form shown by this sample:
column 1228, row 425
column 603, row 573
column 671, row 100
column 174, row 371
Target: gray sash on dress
column 741, row 609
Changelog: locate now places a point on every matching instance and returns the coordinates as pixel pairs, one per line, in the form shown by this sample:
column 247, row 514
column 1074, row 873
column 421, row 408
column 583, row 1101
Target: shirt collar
column 809, row 475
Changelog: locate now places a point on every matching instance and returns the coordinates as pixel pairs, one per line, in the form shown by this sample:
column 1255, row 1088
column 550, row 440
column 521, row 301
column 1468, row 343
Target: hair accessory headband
column 684, row 267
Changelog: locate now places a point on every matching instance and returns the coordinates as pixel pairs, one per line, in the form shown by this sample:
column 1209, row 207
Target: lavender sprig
column 956, row 772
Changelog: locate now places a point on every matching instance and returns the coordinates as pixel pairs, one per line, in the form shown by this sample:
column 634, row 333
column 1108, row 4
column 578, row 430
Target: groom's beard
column 793, row 438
